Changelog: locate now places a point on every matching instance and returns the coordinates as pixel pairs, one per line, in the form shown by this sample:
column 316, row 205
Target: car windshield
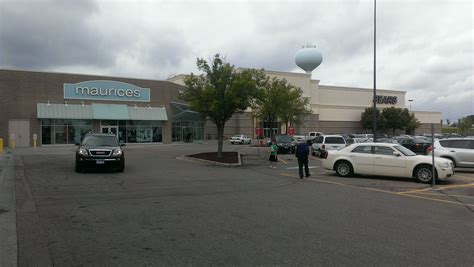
column 283, row 138
column 100, row 141
column 405, row 151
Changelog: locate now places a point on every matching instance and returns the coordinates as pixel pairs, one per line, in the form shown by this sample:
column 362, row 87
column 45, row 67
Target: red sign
column 291, row 131
column 258, row 131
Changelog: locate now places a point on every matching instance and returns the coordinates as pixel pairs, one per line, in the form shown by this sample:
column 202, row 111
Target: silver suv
column 458, row 150
column 324, row 143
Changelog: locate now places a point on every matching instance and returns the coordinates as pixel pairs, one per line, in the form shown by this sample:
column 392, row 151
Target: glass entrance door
column 109, row 129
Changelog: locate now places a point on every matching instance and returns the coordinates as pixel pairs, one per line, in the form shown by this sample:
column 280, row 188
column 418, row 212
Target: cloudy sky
column 424, row 47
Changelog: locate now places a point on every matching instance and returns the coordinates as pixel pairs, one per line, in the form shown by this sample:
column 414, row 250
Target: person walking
column 302, row 153
column 273, row 155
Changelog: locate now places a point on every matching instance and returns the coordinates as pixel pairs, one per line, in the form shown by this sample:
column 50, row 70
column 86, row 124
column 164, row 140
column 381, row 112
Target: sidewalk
column 8, row 233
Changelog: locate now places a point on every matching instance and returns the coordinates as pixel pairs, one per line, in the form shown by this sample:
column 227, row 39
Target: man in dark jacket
column 302, row 153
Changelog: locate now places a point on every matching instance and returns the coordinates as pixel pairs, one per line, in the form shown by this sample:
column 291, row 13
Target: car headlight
column 83, row 152
column 117, row 152
column 445, row 165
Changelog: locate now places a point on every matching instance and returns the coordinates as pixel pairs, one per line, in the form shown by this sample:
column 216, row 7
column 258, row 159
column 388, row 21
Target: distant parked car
column 240, row 139
column 285, row 143
column 355, row 140
column 459, row 150
column 362, row 135
column 325, row 143
column 299, row 139
column 385, row 160
column 417, row 145
column 387, row 140
column 312, row 135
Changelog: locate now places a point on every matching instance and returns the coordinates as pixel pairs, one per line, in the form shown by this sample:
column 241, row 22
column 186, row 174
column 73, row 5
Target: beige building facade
column 335, row 109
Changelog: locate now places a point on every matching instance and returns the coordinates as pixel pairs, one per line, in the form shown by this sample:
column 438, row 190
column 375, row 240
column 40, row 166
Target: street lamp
column 410, row 100
column 374, row 116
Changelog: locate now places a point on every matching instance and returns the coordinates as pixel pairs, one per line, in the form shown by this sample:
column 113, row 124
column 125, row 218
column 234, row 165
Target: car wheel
column 242, row 142
column 122, row 166
column 424, row 174
column 78, row 168
column 343, row 168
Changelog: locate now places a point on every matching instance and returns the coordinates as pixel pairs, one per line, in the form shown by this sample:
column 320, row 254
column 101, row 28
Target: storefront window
column 187, row 131
column 64, row 131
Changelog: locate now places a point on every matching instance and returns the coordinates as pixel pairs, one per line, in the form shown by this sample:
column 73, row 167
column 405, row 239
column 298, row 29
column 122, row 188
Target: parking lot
column 167, row 211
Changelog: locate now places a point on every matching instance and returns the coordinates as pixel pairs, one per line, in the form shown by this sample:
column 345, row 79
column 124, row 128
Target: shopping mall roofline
column 86, row 74
column 336, row 87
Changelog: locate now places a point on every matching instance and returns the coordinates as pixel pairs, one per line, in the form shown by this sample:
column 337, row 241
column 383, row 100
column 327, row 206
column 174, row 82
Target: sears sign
column 383, row 99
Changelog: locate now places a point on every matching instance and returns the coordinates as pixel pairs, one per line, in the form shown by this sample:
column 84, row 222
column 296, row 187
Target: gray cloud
column 423, row 47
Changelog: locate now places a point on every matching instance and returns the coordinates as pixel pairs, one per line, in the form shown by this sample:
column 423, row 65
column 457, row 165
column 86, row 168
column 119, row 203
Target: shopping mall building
column 58, row 108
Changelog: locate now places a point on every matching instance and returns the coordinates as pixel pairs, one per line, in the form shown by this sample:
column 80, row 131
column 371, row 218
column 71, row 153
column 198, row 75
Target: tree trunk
column 286, row 127
column 220, row 140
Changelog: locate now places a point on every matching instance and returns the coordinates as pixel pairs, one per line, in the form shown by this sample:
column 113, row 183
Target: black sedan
column 285, row 143
column 417, row 145
column 99, row 151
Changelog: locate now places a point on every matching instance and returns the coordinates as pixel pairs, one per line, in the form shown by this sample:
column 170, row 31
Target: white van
column 324, row 143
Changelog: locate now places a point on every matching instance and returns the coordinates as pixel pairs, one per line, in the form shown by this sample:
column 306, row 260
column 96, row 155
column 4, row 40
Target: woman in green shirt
column 273, row 155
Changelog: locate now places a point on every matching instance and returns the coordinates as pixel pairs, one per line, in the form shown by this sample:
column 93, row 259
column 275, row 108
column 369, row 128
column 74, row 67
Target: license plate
column 99, row 161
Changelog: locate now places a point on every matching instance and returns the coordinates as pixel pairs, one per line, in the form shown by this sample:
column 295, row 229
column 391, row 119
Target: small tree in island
column 277, row 100
column 219, row 92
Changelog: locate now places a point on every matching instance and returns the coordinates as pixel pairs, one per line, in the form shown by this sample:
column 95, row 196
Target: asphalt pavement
column 165, row 211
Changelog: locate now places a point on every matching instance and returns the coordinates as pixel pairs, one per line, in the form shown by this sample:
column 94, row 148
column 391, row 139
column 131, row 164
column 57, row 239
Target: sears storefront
column 97, row 106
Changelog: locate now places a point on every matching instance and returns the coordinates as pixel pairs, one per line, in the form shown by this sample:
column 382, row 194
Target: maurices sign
column 106, row 90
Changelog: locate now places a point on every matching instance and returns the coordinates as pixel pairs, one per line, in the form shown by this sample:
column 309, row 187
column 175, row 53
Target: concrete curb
column 8, row 230
column 213, row 162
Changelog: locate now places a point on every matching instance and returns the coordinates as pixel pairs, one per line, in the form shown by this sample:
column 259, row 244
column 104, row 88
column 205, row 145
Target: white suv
column 459, row 150
column 324, row 143
column 240, row 139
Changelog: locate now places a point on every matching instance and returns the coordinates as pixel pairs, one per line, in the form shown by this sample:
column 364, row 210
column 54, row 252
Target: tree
column 277, row 100
column 367, row 119
column 413, row 123
column 294, row 105
column 396, row 118
column 219, row 93
column 465, row 124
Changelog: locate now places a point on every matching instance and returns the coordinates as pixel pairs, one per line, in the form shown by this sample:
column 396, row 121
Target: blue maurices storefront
column 120, row 108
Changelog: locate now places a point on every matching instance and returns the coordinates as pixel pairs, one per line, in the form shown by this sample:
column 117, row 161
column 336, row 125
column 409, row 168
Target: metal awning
column 100, row 112
column 187, row 115
column 63, row 111
column 109, row 112
column 147, row 114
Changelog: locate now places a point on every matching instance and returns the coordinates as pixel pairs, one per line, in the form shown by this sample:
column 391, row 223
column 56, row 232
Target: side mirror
column 77, row 144
column 397, row 154
column 123, row 144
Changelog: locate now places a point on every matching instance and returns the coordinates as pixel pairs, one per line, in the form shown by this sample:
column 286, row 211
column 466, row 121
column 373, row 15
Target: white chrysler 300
column 385, row 160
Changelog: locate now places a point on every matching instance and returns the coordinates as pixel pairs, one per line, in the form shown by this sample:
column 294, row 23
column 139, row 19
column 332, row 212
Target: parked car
column 240, row 139
column 355, row 140
column 385, row 160
column 285, row 143
column 327, row 142
column 459, row 150
column 417, row 145
column 299, row 139
column 362, row 135
column 98, row 151
column 312, row 135
column 387, row 140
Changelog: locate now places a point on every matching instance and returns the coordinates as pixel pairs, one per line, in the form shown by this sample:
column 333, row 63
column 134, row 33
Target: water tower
column 308, row 58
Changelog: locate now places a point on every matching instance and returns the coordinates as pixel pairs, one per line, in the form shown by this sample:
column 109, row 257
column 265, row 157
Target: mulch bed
column 227, row 157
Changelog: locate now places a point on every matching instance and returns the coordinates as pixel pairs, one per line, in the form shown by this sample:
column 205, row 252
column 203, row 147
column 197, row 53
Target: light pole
column 410, row 100
column 374, row 116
